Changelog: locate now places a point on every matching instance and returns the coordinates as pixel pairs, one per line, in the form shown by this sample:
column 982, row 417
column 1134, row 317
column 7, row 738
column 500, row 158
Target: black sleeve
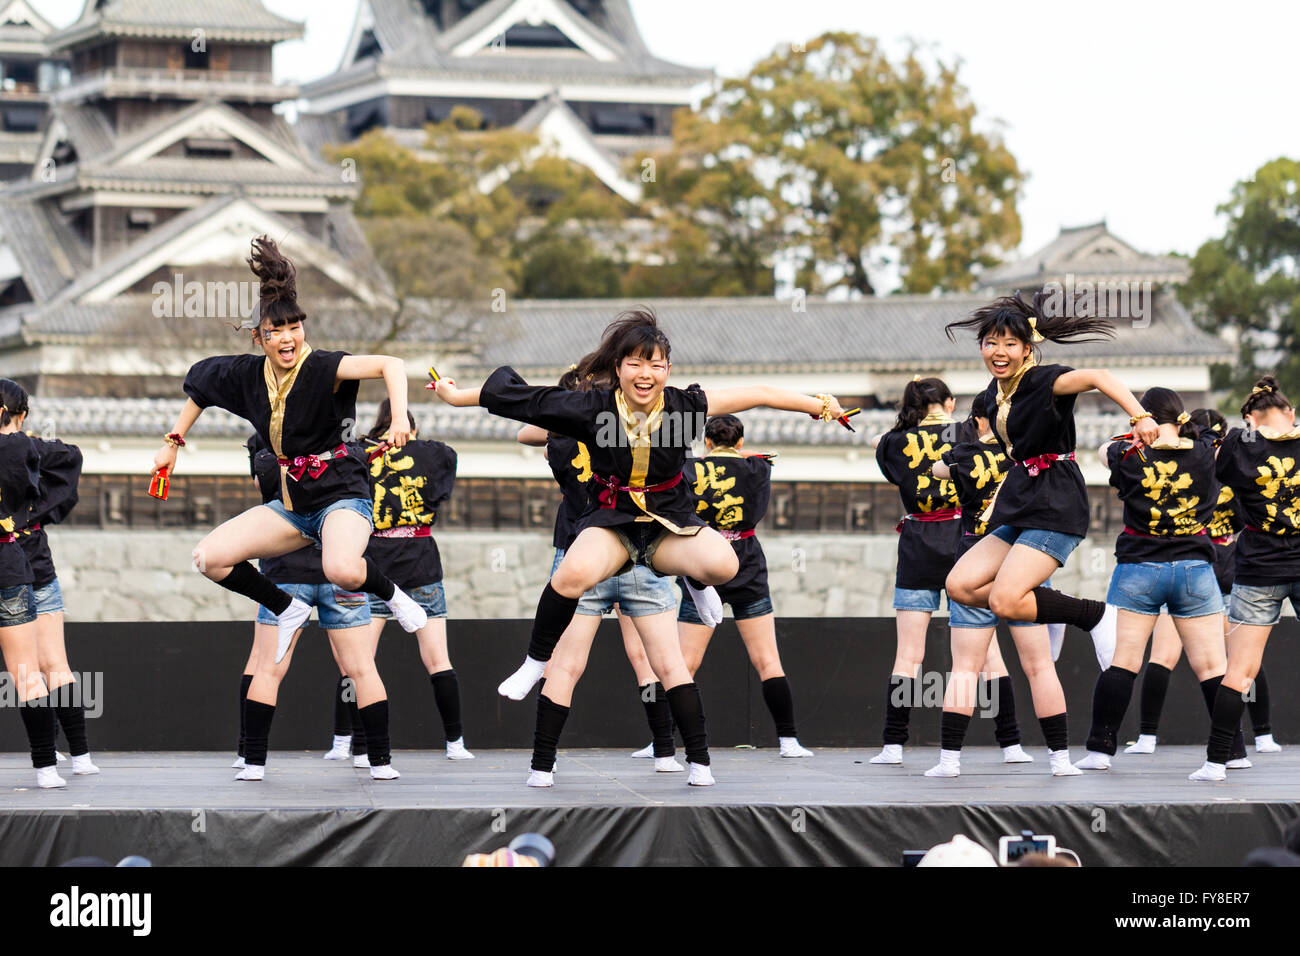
column 691, row 401
column 1226, row 467
column 443, row 477
column 220, row 381
column 885, row 455
column 958, row 458
column 60, row 471
column 557, row 410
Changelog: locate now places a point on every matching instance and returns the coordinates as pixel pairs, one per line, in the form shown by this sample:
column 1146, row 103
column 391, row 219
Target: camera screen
column 1019, row 848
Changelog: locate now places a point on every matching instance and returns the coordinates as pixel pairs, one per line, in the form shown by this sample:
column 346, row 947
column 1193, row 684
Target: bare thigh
column 759, row 635
column 596, row 554
column 257, row 533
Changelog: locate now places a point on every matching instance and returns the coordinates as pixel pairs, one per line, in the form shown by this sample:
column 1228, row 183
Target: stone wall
column 147, row 576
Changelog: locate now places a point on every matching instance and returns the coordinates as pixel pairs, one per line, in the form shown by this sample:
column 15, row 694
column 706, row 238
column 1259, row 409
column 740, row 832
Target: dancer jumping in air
column 1040, row 512
column 638, row 434
column 301, row 402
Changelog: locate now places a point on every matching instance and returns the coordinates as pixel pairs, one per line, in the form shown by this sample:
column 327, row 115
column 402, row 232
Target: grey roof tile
column 224, row 18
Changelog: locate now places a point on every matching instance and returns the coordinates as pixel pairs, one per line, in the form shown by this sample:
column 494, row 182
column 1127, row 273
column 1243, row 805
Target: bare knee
column 958, row 589
column 719, row 567
column 1005, row 604
column 346, row 573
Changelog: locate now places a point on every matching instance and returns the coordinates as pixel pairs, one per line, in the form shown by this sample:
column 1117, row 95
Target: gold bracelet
column 826, row 415
column 1137, row 418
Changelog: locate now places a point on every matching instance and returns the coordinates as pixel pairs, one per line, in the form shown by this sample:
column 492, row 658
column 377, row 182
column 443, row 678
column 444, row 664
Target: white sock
column 1094, row 761
column 518, row 684
column 707, row 603
column 949, row 764
column 1145, row 744
column 1061, row 766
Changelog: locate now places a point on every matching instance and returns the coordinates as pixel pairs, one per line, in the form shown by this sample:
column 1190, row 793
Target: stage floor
column 607, row 808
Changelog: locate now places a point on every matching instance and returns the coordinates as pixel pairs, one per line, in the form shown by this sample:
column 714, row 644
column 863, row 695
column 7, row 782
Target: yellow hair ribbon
column 1033, row 328
column 1184, row 418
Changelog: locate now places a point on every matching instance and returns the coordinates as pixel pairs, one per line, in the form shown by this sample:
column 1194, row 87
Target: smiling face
column 282, row 344
column 1003, row 354
column 642, row 379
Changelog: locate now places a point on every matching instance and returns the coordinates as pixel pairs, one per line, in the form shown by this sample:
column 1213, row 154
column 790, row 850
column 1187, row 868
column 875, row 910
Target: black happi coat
column 297, row 567
column 1225, row 523
column 20, row 486
column 977, row 468
column 1169, row 499
column 1034, row 422
column 315, row 417
column 408, row 484
column 60, row 472
column 593, row 418
column 1264, row 472
column 732, row 493
column 571, row 465
column 926, row 549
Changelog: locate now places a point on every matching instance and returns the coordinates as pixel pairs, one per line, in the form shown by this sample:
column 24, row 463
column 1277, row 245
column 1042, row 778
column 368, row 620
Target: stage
column 607, row 809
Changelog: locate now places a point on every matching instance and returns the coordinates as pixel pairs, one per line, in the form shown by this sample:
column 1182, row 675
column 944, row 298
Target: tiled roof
column 542, row 338
column 414, row 46
column 882, row 333
column 49, row 257
column 1060, row 256
column 221, row 19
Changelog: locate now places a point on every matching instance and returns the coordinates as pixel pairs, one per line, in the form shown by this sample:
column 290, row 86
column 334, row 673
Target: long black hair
column 1010, row 314
column 384, row 421
column 1166, row 408
column 14, row 399
column 918, row 396
column 277, row 284
column 724, row 430
column 1265, row 395
column 634, row 332
column 1210, row 420
column 979, row 407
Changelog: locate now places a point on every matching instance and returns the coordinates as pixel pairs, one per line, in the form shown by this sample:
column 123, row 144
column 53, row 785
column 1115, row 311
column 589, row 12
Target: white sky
column 1143, row 112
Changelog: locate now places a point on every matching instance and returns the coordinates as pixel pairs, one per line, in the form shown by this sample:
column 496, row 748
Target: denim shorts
column 336, row 608
column 431, row 597
column 49, row 599
column 17, row 605
column 907, row 599
column 688, row 613
column 637, row 593
column 1187, row 588
column 1056, row 543
column 309, row 524
column 1261, row 604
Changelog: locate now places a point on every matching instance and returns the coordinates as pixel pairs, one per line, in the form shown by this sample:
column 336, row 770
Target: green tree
column 1248, row 282
column 838, row 158
column 509, row 200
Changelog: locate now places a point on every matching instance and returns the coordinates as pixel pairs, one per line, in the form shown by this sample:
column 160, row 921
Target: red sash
column 609, row 497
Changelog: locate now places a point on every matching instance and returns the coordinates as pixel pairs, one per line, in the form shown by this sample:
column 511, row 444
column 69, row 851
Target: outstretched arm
column 940, row 470
column 1085, row 379
column 166, row 457
column 728, row 401
column 393, row 372
column 532, row 435
column 446, row 390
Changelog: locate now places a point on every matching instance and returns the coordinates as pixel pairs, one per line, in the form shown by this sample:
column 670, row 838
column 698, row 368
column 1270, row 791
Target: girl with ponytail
column 302, row 404
column 638, row 431
column 1166, row 648
column 1164, row 563
column 929, row 535
column 1040, row 512
column 1259, row 463
column 19, row 646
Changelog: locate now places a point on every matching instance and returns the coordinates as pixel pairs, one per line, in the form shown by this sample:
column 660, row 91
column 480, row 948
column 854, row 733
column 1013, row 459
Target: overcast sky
column 1141, row 113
